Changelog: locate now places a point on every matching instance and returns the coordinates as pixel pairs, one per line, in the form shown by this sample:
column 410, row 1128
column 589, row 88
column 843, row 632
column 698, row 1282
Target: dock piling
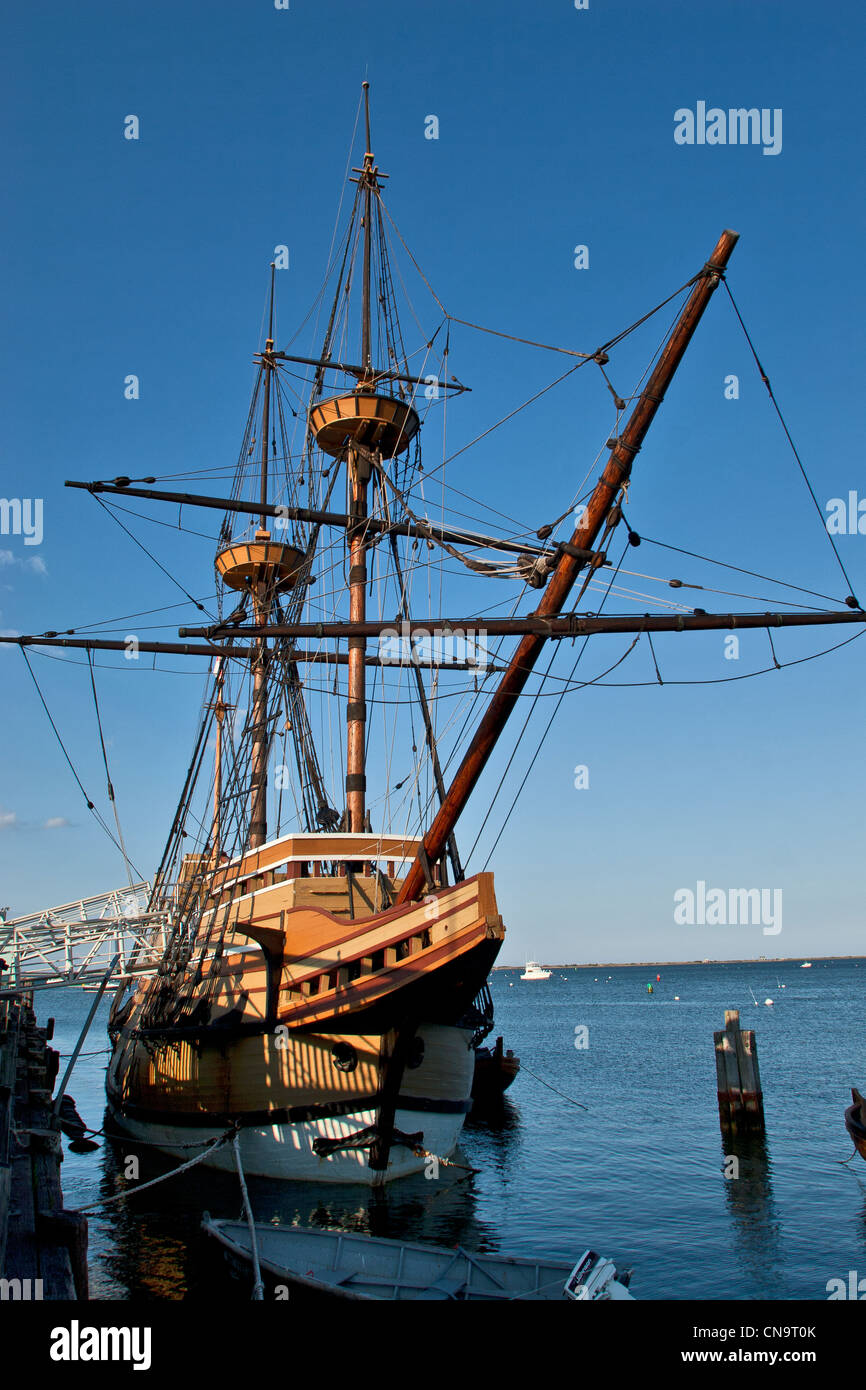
column 741, row 1100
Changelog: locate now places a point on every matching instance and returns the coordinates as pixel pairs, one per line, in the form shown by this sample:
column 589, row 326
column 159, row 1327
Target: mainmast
column 368, row 182
column 258, row 831
column 359, row 468
column 366, row 428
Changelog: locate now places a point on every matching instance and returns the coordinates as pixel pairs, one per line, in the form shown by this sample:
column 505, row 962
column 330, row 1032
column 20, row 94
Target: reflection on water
column 152, row 1245
column 749, row 1198
column 494, row 1133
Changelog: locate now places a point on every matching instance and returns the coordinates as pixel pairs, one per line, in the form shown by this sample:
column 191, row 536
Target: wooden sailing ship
column 320, row 990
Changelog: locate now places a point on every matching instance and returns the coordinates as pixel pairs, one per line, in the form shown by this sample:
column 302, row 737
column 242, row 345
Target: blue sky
column 556, row 129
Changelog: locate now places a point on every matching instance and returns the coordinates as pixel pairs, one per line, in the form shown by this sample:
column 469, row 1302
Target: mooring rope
column 133, row 1191
column 570, row 1099
column 258, row 1286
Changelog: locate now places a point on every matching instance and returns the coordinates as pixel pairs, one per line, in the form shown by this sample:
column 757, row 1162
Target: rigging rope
column 109, row 512
column 109, row 783
column 90, row 805
column 794, row 450
column 529, row 715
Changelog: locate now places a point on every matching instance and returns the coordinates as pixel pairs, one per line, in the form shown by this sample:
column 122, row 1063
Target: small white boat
column 345, row 1264
column 807, row 965
column 534, row 971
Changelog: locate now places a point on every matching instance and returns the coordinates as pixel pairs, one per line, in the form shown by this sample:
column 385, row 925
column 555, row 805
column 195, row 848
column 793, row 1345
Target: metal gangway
column 75, row 944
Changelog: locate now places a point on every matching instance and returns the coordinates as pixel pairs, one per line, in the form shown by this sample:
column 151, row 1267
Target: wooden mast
column 599, row 507
column 219, row 715
column 359, row 477
column 258, row 831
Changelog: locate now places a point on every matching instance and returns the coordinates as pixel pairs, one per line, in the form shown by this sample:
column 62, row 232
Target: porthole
column 344, row 1056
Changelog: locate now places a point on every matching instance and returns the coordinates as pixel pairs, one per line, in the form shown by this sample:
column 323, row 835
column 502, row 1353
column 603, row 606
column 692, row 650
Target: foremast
column 260, row 570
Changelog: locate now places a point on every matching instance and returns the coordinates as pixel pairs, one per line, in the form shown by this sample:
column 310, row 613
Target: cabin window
column 344, row 1056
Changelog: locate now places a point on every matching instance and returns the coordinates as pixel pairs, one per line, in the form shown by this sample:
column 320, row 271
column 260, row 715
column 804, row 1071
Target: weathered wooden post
column 741, row 1101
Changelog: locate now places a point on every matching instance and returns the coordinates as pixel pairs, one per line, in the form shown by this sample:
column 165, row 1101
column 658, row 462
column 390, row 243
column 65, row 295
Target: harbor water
column 641, row 1174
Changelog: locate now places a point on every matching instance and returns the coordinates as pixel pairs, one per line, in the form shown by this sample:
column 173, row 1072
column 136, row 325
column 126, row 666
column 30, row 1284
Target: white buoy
column 768, row 1001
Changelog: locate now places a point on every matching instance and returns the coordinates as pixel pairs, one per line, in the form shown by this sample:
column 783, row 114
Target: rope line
column 164, row 1177
column 570, row 1099
column 110, row 511
column 794, row 450
column 110, row 785
column 89, row 804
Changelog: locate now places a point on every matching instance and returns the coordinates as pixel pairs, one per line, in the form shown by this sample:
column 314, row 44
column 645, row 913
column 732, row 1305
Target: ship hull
column 340, row 1048
column 431, row 1106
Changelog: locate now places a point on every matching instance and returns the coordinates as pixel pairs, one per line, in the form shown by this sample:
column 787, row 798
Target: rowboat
column 345, row 1264
column 495, row 1069
column 855, row 1122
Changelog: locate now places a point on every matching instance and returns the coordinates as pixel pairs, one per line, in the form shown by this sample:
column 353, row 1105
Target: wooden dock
column 43, row 1248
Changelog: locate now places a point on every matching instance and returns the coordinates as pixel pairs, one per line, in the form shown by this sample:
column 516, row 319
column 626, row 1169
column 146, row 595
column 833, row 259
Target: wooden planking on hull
column 315, row 1033
column 296, row 1078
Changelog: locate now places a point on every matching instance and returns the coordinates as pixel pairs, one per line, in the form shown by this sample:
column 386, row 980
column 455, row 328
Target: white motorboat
column 534, row 971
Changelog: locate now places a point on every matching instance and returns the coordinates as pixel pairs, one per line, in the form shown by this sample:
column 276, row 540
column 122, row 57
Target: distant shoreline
column 646, row 964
